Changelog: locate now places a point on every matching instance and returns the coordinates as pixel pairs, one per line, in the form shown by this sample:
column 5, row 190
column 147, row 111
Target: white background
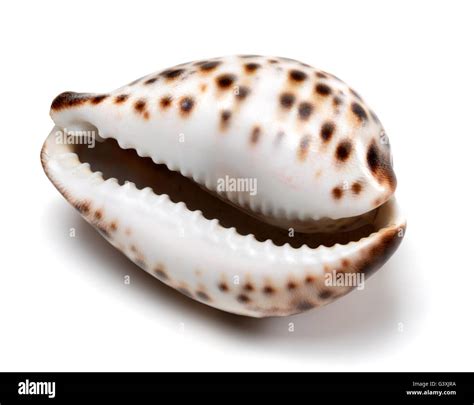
column 63, row 303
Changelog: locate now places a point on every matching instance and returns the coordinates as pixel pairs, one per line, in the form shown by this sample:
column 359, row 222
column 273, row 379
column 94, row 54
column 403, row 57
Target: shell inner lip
column 143, row 172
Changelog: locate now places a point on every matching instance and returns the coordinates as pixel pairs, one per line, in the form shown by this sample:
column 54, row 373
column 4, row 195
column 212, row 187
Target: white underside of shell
column 199, row 257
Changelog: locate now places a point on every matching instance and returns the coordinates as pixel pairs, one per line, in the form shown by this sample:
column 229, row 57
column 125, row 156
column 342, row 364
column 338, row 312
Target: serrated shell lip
column 234, row 238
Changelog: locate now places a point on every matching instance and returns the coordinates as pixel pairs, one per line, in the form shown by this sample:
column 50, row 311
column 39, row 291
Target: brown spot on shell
column 98, row 99
column 322, row 89
column 287, row 100
column 83, row 207
column 225, row 119
column 297, row 75
column 98, row 215
column 69, row 99
column 304, row 305
column 226, row 80
column 324, row 294
column 305, row 110
column 140, row 106
column 242, row 92
column 387, row 243
column 209, row 66
column 291, row 285
column 268, row 290
column 359, row 111
column 203, row 87
column 327, row 130
column 356, row 188
column 251, row 67
column 248, row 287
column 113, row 226
column 337, row 193
column 223, row 287
column 171, row 74
column 166, row 101
column 309, row 279
column 150, row 81
column 343, row 150
column 304, row 147
column 121, row 98
column 380, row 166
column 255, row 135
column 243, row 298
column 321, row 75
column 186, row 104
column 336, row 101
column 202, row 296
column 160, row 273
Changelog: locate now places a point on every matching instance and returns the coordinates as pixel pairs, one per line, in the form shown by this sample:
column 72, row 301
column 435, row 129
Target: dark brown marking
column 336, row 101
column 321, row 75
column 171, row 74
column 242, row 92
column 255, row 136
column 202, row 296
column 225, row 118
column 83, row 207
column 304, row 147
column 248, row 287
column 304, row 305
column 160, row 273
column 165, row 102
column 69, row 99
column 121, row 98
column 327, row 130
column 268, row 290
column 324, row 294
column 140, row 106
column 243, row 298
column 98, row 215
column 305, row 110
column 356, row 188
column 251, row 67
column 186, row 105
column 297, row 75
column 226, row 80
column 113, row 226
column 150, row 81
column 337, row 193
column 223, row 287
column 272, row 61
column 380, row 166
column 343, row 150
column 386, row 246
column 98, row 99
column 309, row 279
column 322, row 89
column 287, row 100
column 359, row 112
column 291, row 285
column 209, row 66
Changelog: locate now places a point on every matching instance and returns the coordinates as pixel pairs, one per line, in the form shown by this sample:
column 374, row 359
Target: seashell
column 257, row 185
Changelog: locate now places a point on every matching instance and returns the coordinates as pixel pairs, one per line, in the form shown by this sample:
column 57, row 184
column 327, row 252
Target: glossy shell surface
column 318, row 154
